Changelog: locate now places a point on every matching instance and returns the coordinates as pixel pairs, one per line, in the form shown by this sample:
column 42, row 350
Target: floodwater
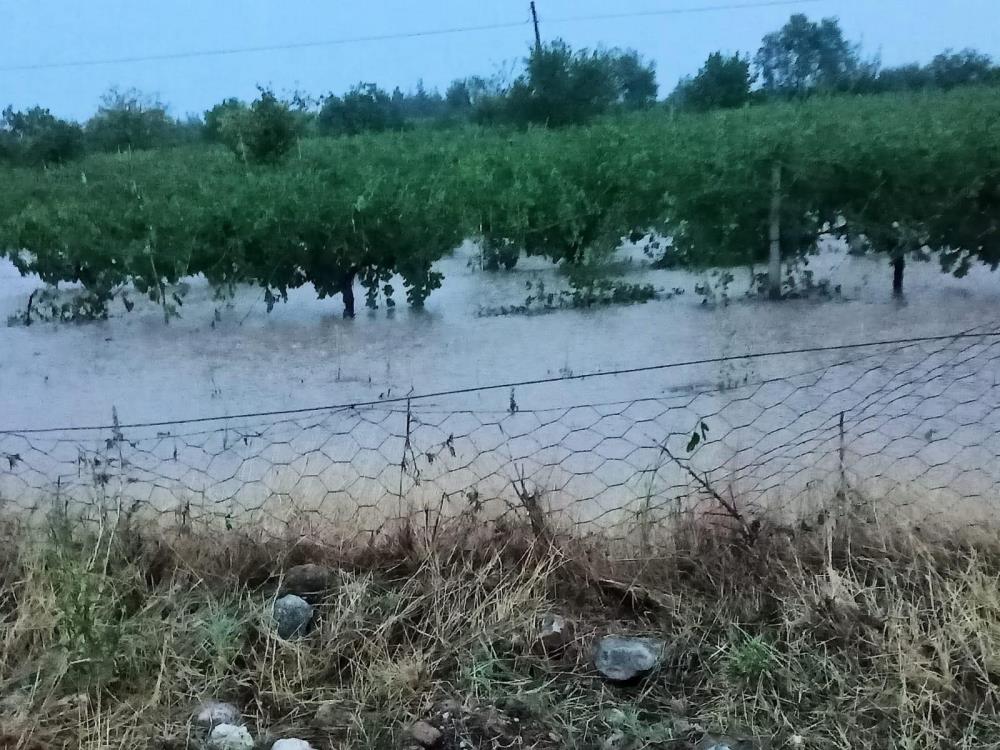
column 304, row 354
column 232, row 358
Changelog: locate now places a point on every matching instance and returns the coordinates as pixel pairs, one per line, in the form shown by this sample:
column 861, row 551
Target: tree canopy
column 722, row 83
column 805, row 56
column 36, row 137
column 560, row 87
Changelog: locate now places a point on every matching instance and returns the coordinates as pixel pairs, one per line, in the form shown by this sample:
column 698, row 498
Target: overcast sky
column 54, row 31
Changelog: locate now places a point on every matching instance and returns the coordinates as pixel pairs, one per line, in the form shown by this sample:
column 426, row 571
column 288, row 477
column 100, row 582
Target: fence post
column 407, row 455
column 842, row 491
column 774, row 265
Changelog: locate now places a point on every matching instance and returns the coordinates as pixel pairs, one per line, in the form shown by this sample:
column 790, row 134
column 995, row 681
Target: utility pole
column 538, row 34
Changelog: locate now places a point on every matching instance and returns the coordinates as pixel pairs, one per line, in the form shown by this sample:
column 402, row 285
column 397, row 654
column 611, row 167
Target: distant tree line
column 805, row 58
column 556, row 87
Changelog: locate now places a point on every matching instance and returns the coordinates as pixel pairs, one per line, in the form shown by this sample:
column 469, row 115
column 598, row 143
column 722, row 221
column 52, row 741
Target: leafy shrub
column 561, row 87
column 36, row 137
column 261, row 134
column 216, row 117
column 129, row 120
column 364, row 109
column 722, row 83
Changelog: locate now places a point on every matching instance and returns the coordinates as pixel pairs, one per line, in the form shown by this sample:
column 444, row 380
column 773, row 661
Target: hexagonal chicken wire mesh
column 911, row 428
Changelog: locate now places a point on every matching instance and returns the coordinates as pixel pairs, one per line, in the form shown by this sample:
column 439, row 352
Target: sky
column 39, row 32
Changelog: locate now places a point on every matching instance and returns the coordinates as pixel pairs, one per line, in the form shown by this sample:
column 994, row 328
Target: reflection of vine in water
column 799, row 282
column 50, row 304
column 595, row 292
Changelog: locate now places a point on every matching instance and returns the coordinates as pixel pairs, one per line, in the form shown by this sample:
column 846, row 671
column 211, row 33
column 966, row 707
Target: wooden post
column 774, row 266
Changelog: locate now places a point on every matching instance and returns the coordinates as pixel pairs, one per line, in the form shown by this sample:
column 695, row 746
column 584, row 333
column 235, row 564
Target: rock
column 425, row 734
column 726, row 743
column 291, row 744
column 292, row 615
column 554, row 633
column 621, row 659
column 213, row 713
column 230, row 737
column 306, row 580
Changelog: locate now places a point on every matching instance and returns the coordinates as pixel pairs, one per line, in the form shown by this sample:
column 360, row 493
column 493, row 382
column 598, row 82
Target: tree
column 634, row 79
column 946, row 71
column 561, row 87
column 420, row 104
column 217, row 115
column 130, row 120
column 262, row 134
column 804, row 56
column 36, row 137
column 722, row 83
column 951, row 69
column 458, row 97
column 365, row 108
column 912, row 77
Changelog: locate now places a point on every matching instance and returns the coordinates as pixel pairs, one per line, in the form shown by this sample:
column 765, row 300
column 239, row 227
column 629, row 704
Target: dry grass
column 840, row 638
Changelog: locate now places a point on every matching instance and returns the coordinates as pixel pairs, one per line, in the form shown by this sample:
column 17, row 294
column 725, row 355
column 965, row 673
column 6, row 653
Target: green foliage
column 458, row 96
column 951, row 69
column 365, row 108
column 635, row 79
column 264, row 133
column 128, row 120
column 36, row 137
column 722, row 83
column 946, row 71
column 217, row 116
column 561, row 87
column 915, row 174
column 420, row 105
column 751, row 659
column 805, row 56
column 219, row 634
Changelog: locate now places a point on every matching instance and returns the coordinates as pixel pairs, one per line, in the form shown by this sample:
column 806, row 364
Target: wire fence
column 910, row 429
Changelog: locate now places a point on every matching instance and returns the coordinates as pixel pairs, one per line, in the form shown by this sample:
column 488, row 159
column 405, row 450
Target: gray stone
column 212, row 713
column 726, row 743
column 307, row 580
column 623, row 659
column 291, row 744
column 425, row 734
column 230, row 737
column 292, row 615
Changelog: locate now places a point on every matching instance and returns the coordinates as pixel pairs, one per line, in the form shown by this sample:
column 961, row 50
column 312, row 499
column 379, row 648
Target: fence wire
column 911, row 429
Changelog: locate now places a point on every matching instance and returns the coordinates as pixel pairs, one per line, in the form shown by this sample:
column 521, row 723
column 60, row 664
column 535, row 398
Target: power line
column 516, row 384
column 387, row 37
column 264, row 48
column 682, row 11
